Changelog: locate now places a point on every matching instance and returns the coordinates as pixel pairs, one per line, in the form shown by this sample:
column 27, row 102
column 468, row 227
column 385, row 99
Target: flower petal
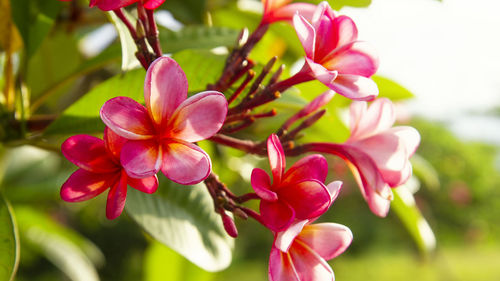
column 276, row 216
column 356, row 58
column 108, row 5
column 141, row 159
column 116, row 198
column 261, row 184
column 281, row 267
column 320, row 73
column 327, row 239
column 165, row 88
column 354, row 87
column 368, row 121
column 89, row 153
column 199, row 117
column 284, row 239
column 147, row 185
column 308, row 198
column 286, row 13
column 408, row 136
column 308, row 264
column 127, row 118
column 334, row 189
column 83, row 185
column 153, row 4
column 309, row 167
column 306, row 34
column 184, row 162
column 113, row 143
column 277, row 159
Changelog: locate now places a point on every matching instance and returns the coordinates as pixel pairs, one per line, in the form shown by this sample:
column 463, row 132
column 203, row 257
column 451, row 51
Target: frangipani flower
column 100, row 169
column 334, row 56
column 300, row 252
column 108, row 5
column 297, row 194
column 161, row 134
column 282, row 10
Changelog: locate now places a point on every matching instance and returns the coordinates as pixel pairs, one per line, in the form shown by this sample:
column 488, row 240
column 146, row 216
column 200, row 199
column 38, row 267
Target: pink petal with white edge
column 308, row 198
column 89, row 153
column 356, row 58
column 108, row 5
column 276, row 216
column 354, row 87
column 113, row 143
column 287, row 12
column 141, row 159
column 199, row 117
column 261, row 184
column 319, row 72
column 116, row 198
column 127, row 118
column 281, row 267
column 147, row 185
column 326, row 239
column 408, row 136
column 284, row 239
column 277, row 159
column 165, row 88
column 306, row 34
column 308, row 264
column 334, row 190
column 153, row 4
column 333, row 34
column 83, row 185
column 310, row 167
column 184, row 162
column 367, row 121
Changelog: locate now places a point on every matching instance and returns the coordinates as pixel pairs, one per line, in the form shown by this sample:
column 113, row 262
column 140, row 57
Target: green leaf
column 83, row 115
column 34, row 19
column 197, row 37
column 187, row 11
column 69, row 251
column 202, row 67
column 407, row 211
column 390, row 89
column 9, row 241
column 183, row 218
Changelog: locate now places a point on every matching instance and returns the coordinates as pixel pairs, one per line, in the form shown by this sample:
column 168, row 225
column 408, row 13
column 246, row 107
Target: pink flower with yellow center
column 100, row 169
column 282, row 10
column 161, row 134
column 297, row 194
column 334, row 56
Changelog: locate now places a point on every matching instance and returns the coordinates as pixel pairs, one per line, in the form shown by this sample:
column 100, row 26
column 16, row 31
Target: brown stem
column 153, row 33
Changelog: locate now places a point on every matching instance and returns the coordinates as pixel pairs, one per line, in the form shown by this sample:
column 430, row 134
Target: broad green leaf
column 9, row 241
column 390, row 89
column 34, row 19
column 187, row 11
column 177, row 268
column 407, row 211
column 183, row 218
column 197, row 37
column 66, row 249
column 202, row 67
column 83, row 115
column 127, row 43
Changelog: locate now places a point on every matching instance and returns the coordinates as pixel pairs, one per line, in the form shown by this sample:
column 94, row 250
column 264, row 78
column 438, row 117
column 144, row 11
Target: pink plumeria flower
column 282, row 10
column 161, row 134
column 297, row 194
column 334, row 56
column 100, row 169
column 300, row 252
column 108, row 5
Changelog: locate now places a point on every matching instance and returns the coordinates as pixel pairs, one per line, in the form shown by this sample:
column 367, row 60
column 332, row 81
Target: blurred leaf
column 196, row 37
column 424, row 170
column 34, row 19
column 183, row 218
column 337, row 4
column 9, row 37
column 127, row 43
column 391, row 89
column 187, row 11
column 9, row 241
column 71, row 253
column 83, row 115
column 202, row 67
column 407, row 211
column 177, row 268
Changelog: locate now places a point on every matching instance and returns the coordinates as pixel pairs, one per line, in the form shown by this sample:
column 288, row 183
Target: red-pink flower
column 334, row 56
column 108, row 5
column 282, row 10
column 100, row 169
column 297, row 194
column 161, row 134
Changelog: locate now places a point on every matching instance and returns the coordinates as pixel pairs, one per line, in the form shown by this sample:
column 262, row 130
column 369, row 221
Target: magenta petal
column 116, row 198
column 306, row 34
column 184, row 162
column 309, row 167
column 284, row 239
column 108, row 5
column 261, row 184
column 199, row 117
column 356, row 58
column 277, row 159
column 83, row 185
column 113, row 143
column 165, row 88
column 147, row 185
column 153, row 4
column 281, row 267
column 308, row 198
column 127, row 118
column 141, row 159
column 89, row 153
column 354, row 87
column 277, row 216
column 308, row 264
column 326, row 239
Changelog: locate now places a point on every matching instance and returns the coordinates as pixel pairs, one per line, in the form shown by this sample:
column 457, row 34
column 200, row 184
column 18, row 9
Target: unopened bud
column 229, row 225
